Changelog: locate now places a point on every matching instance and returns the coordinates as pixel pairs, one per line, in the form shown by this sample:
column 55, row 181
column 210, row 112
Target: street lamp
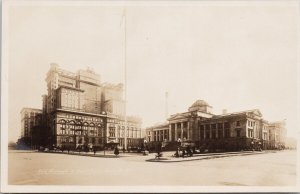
column 145, row 144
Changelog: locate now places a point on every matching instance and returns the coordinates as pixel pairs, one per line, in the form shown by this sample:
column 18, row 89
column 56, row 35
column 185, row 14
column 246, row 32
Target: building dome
column 200, row 105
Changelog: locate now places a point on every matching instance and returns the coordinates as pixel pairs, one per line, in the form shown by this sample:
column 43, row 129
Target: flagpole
column 125, row 84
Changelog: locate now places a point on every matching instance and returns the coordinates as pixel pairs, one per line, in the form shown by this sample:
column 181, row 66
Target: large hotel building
column 80, row 110
column 227, row 131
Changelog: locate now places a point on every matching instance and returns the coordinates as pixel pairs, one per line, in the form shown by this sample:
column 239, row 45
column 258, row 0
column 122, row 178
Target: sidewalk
column 206, row 156
column 101, row 154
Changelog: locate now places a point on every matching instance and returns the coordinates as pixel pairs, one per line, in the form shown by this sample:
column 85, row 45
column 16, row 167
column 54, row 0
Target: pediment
column 177, row 117
column 254, row 113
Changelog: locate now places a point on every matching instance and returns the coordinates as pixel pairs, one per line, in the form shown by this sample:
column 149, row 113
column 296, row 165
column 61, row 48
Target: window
column 202, row 133
column 166, row 134
column 226, row 125
column 63, row 126
column 71, row 139
column 72, row 128
column 250, row 133
column 85, row 129
column 238, row 123
column 93, row 132
column 227, row 133
column 63, row 131
column 213, row 126
column 220, row 133
column 220, row 125
column 207, row 135
column 112, row 131
column 238, row 133
column 265, row 136
column 213, row 134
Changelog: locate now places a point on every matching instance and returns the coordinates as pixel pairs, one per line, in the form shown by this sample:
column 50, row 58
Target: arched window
column 72, row 127
column 78, row 128
column 62, row 124
column 93, row 132
column 100, row 130
column 85, row 128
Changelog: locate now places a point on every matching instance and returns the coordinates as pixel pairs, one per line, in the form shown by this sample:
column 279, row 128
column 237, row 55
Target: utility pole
column 125, row 77
column 167, row 111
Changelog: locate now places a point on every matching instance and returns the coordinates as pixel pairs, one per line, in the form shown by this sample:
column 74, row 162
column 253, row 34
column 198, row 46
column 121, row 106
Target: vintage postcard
column 150, row 96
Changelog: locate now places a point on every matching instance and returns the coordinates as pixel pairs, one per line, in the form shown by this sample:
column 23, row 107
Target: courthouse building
column 229, row 131
column 81, row 110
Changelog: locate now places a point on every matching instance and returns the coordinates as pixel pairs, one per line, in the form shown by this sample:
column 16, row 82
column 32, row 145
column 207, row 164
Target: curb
column 166, row 160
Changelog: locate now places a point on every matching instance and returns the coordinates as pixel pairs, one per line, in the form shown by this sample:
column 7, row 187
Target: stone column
column 204, row 126
column 188, row 130
column 181, row 132
column 223, row 126
column 170, row 132
column 160, row 137
column 192, row 128
column 163, row 135
column 176, row 136
column 152, row 135
column 210, row 132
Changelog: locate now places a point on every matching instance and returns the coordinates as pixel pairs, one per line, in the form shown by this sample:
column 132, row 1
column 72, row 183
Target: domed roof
column 199, row 103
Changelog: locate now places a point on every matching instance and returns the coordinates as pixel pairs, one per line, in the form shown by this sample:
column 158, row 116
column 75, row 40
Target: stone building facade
column 228, row 131
column 29, row 119
column 80, row 110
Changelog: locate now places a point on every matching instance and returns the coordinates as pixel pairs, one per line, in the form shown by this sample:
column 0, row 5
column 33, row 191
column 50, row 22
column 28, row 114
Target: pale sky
column 235, row 57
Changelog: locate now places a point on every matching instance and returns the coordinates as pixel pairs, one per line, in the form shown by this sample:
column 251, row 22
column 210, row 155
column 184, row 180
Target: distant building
column 159, row 132
column 30, row 120
column 80, row 110
column 228, row 131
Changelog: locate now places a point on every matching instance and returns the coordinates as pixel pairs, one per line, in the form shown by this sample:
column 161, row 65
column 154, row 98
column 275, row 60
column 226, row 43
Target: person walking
column 116, row 152
column 94, row 149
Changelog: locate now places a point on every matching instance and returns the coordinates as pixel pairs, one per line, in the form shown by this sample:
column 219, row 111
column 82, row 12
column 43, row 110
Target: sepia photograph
column 150, row 96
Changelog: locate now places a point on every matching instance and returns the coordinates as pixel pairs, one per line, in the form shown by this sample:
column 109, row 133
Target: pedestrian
column 123, row 149
column 183, row 153
column 94, row 149
column 177, row 153
column 116, row 152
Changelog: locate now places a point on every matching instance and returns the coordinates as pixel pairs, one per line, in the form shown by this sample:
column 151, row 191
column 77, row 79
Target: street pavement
column 129, row 169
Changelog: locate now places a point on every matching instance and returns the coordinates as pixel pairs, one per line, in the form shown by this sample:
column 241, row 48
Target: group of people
column 184, row 151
